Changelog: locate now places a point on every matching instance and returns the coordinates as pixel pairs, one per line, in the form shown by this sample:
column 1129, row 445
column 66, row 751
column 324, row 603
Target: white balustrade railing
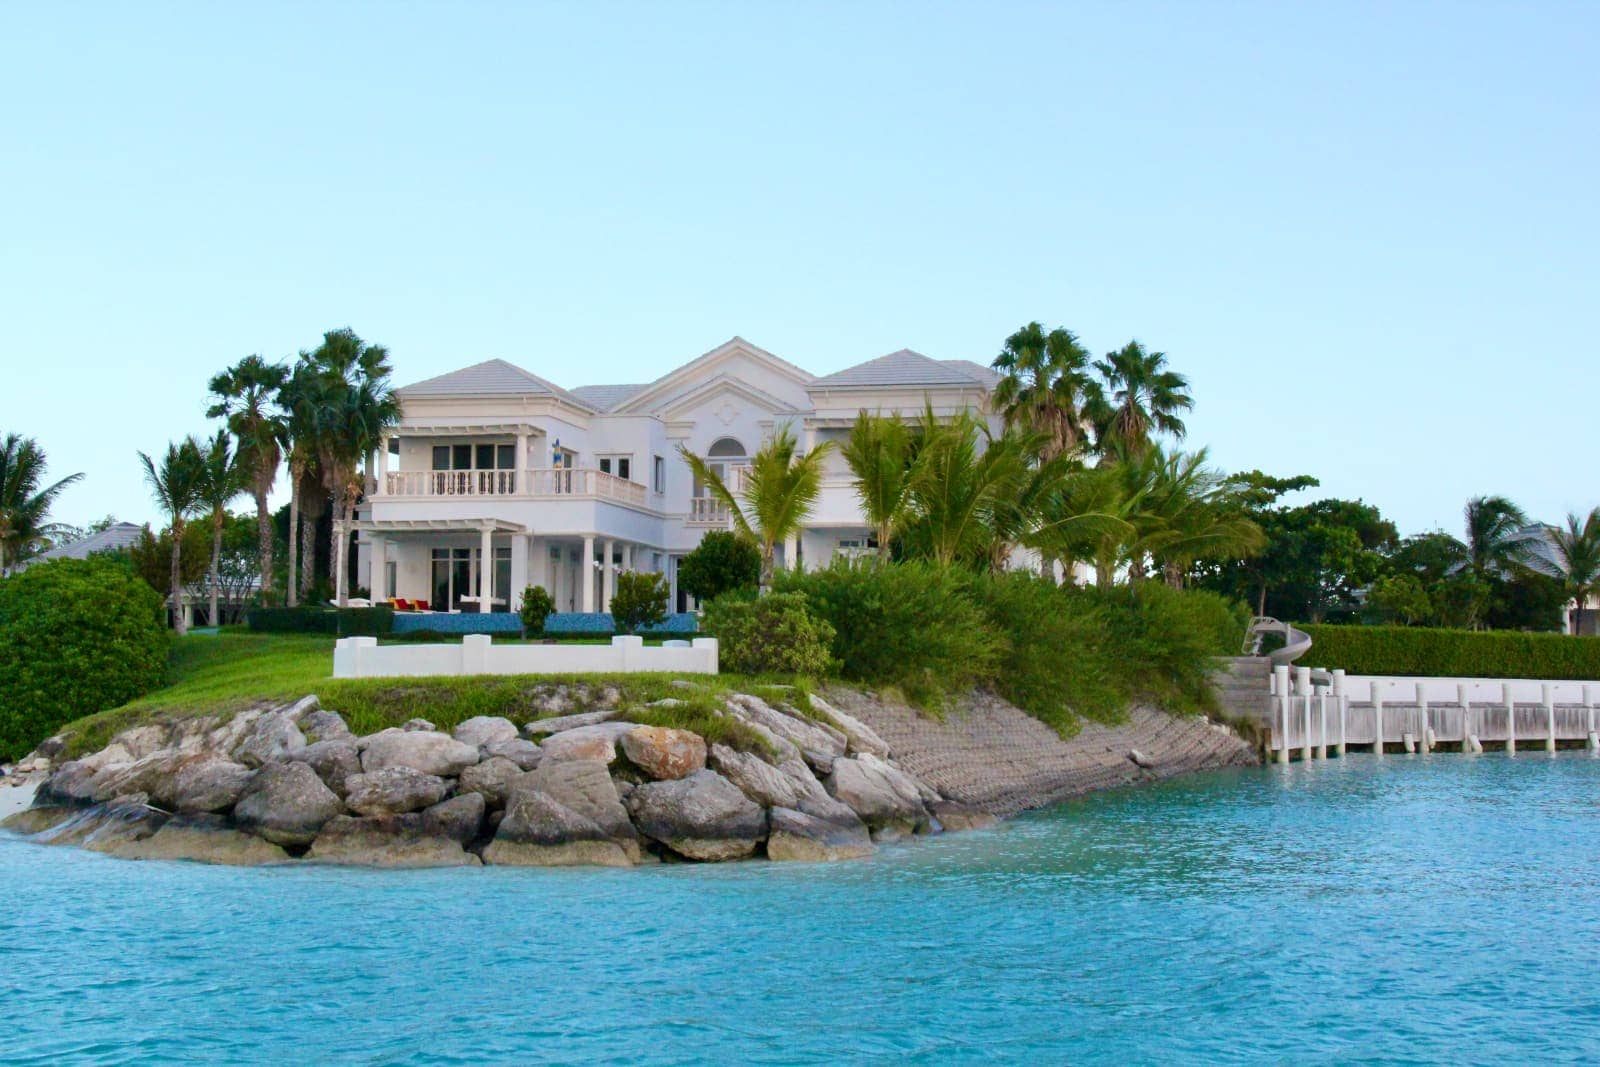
column 707, row 511
column 539, row 482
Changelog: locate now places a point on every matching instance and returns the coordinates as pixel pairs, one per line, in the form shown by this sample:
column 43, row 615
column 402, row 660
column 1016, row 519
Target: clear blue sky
column 1367, row 232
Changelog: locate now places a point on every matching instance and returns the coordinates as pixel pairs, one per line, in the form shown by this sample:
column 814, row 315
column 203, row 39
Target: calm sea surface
column 1413, row 910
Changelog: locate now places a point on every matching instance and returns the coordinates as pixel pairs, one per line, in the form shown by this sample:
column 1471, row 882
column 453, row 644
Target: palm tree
column 1497, row 536
column 965, row 490
column 1139, row 397
column 780, row 490
column 24, row 504
column 220, row 481
column 301, row 398
column 355, row 406
column 1191, row 516
column 246, row 396
column 881, row 454
column 1577, row 559
column 1043, row 385
column 175, row 483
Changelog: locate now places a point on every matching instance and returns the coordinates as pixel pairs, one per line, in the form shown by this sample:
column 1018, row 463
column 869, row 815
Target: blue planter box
column 560, row 624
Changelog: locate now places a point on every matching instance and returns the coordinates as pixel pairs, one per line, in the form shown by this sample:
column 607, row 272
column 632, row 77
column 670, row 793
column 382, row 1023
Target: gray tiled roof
column 494, row 377
column 987, row 375
column 605, row 397
column 902, row 368
column 111, row 539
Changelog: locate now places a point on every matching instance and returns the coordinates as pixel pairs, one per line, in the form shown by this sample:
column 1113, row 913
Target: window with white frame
column 660, row 476
column 621, row 466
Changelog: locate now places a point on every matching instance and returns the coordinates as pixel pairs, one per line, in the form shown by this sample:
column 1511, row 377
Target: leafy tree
column 151, row 557
column 1399, row 598
column 640, row 600
column 1044, row 384
column 723, row 562
column 881, row 454
column 175, row 483
column 1497, row 536
column 780, row 490
column 246, row 396
column 220, row 482
column 300, row 397
column 1576, row 549
column 25, row 501
column 774, row 634
column 1140, row 397
column 537, row 606
column 80, row 636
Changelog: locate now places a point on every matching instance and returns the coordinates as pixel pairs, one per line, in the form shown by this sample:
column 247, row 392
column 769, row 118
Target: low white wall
column 1399, row 689
column 363, row 657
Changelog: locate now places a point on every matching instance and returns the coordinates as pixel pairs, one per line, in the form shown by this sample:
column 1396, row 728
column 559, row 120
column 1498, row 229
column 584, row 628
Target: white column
column 586, row 574
column 486, row 570
column 520, row 476
column 377, row 562
column 791, row 553
column 628, row 563
column 608, row 576
column 1302, row 692
column 341, row 580
column 539, row 564
column 519, row 571
column 383, row 463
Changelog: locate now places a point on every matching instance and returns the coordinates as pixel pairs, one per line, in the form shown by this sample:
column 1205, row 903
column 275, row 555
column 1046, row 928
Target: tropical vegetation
column 25, row 500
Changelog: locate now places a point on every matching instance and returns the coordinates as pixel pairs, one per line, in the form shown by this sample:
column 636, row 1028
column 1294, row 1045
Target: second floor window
column 474, row 457
column 660, row 483
column 621, row 466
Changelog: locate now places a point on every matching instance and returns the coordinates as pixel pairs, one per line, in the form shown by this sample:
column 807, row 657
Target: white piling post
column 1425, row 728
column 1302, row 689
column 1322, row 720
column 1377, row 719
column 1280, row 686
column 1593, row 742
column 1469, row 739
column 1549, row 694
column 1511, row 717
column 1343, row 700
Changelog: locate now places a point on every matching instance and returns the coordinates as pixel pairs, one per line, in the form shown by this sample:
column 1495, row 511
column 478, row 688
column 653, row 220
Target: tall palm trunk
column 216, row 565
column 264, row 540
column 308, row 553
column 341, row 554
column 291, row 589
column 178, row 626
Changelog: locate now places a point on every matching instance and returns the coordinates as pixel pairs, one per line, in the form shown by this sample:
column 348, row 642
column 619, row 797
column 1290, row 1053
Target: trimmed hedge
column 1436, row 653
column 341, row 622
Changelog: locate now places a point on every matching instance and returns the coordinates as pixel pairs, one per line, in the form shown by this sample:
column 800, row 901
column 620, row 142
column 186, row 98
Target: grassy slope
column 234, row 670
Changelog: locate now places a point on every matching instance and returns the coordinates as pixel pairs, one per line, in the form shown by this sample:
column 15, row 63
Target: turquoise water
column 1414, row 910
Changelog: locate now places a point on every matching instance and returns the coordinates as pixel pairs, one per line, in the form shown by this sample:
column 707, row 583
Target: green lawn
column 220, row 674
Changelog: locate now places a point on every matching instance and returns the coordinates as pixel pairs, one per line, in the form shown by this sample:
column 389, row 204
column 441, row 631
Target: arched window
column 723, row 456
column 725, row 448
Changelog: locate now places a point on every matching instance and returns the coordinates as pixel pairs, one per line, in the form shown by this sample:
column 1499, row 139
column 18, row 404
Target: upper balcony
column 539, row 483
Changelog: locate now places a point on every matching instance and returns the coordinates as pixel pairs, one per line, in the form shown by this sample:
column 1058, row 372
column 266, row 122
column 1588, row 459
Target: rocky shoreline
column 293, row 784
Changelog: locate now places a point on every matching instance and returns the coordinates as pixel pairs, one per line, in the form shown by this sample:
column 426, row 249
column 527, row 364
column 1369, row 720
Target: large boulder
column 106, row 827
column 953, row 816
column 483, row 730
column 460, row 818
column 335, row 760
column 664, row 753
column 492, row 779
column 272, row 736
column 597, row 742
column 817, row 742
column 755, row 777
column 202, row 783
column 525, row 754
column 703, row 816
column 859, row 736
column 287, row 804
column 393, row 791
column 584, row 787
column 884, row 797
column 324, row 725
column 204, row 839
column 794, row 835
column 387, row 841
column 561, row 723
column 539, row 831
column 427, row 751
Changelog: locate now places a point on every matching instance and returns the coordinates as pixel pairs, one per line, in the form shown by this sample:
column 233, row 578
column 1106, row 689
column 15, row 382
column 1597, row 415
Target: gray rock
column 808, row 736
column 427, row 751
column 272, row 736
column 336, row 761
column 859, row 736
column 142, row 741
column 955, row 817
column 140, row 776
column 544, row 727
column 794, row 835
column 391, row 841
column 485, row 730
column 703, row 817
column 325, row 726
column 597, row 743
column 204, row 839
column 417, row 724
column 664, row 753
column 286, row 803
column 539, row 831
column 881, row 795
column 393, row 791
column 459, row 818
column 38, row 819
column 525, row 754
column 492, row 779
column 584, row 787
column 202, row 783
column 70, row 781
column 1140, row 759
column 756, row 778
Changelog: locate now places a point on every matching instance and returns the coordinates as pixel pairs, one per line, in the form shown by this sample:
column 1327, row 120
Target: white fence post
column 1593, row 739
column 1511, row 717
column 1280, row 686
column 709, row 644
column 1343, row 700
column 1302, row 688
column 1322, row 720
column 1377, row 718
column 1548, row 692
column 1424, row 727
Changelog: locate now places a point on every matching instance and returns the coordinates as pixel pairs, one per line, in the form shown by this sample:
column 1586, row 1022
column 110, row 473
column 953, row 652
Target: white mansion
column 564, row 488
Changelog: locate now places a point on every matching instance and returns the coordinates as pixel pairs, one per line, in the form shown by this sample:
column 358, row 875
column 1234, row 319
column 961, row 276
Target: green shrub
column 342, row 622
column 78, row 637
column 721, row 563
column 537, row 604
column 774, row 634
column 639, row 600
column 1167, row 642
column 913, row 626
column 1427, row 652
